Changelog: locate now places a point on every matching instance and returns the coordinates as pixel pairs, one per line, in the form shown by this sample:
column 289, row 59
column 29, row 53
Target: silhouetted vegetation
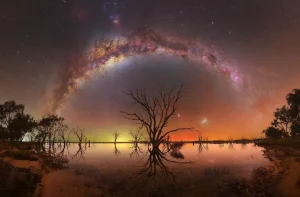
column 14, row 123
column 137, row 136
column 286, row 120
column 116, row 135
column 157, row 112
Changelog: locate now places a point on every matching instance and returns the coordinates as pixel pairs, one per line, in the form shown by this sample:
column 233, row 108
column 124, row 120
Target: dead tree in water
column 137, row 136
column 116, row 134
column 156, row 113
column 80, row 135
column 62, row 134
column 116, row 150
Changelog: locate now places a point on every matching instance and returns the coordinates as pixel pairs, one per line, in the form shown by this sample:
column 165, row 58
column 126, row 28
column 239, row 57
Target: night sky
column 260, row 40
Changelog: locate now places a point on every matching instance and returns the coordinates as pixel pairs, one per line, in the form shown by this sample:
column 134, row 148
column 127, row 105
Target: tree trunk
column 155, row 143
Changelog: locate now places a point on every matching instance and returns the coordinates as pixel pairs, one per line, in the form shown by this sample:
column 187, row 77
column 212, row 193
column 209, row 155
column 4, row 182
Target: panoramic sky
column 236, row 60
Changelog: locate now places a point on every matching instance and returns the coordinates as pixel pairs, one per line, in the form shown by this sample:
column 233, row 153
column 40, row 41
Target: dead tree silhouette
column 157, row 112
column 116, row 135
column 136, row 136
column 79, row 133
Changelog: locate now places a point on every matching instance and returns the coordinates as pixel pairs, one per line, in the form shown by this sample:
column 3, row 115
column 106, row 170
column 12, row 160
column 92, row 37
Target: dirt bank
column 288, row 159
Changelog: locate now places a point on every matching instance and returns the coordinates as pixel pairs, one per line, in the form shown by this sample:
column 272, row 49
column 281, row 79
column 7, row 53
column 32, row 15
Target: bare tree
column 62, row 133
column 137, row 135
column 157, row 113
column 116, row 134
column 79, row 134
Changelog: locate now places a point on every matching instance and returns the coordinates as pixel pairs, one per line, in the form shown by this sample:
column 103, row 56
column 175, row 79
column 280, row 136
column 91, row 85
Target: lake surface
column 123, row 169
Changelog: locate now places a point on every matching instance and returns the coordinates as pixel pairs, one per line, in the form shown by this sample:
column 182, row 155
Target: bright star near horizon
column 204, row 121
column 178, row 115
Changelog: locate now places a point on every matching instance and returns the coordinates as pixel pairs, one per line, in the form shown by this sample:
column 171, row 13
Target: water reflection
column 202, row 147
column 116, row 150
column 136, row 151
column 174, row 169
column 80, row 152
column 217, row 171
column 231, row 146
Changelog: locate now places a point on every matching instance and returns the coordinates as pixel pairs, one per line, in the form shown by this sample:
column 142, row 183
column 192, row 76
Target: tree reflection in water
column 116, row 150
column 231, row 146
column 202, row 147
column 136, row 151
column 155, row 176
column 80, row 152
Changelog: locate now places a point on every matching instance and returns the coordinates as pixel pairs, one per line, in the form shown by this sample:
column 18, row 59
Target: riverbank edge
column 33, row 162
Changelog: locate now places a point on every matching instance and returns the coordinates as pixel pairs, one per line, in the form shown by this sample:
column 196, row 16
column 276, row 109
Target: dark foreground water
column 177, row 170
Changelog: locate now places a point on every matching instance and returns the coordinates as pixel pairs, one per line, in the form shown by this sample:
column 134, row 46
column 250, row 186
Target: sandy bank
column 286, row 160
column 64, row 183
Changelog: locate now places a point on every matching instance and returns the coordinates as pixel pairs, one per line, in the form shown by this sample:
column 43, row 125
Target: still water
column 125, row 169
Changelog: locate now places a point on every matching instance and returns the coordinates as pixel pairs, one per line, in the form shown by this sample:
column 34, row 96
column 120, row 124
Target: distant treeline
column 15, row 125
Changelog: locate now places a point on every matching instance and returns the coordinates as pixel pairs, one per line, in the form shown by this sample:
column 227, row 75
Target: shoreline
column 280, row 178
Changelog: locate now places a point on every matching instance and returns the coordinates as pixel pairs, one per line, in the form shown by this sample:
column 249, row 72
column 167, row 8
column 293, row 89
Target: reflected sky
column 135, row 170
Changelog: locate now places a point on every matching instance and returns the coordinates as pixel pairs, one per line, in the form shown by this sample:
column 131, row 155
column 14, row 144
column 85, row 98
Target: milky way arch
column 144, row 41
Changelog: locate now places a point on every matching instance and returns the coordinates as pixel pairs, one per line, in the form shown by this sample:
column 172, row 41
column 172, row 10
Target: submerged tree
column 79, row 133
column 62, row 133
column 49, row 127
column 136, row 136
column 157, row 111
column 116, row 135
